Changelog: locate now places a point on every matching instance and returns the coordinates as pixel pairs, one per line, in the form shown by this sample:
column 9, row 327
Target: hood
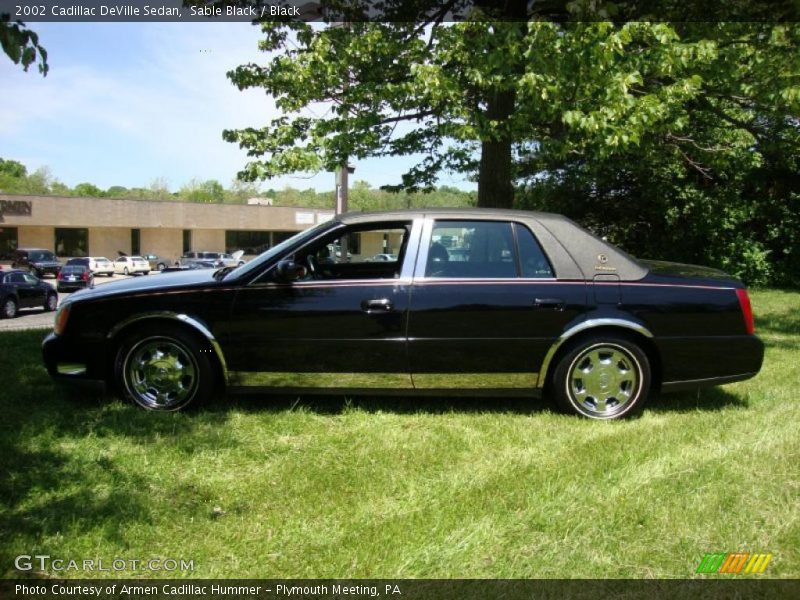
column 144, row 283
column 684, row 271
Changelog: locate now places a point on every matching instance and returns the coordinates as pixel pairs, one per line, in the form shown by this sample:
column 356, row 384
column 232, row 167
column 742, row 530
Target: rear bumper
column 708, row 361
column 69, row 364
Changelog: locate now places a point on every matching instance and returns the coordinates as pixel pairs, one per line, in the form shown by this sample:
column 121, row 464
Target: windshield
column 42, row 256
column 264, row 257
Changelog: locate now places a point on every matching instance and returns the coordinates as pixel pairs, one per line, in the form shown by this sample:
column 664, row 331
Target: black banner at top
column 421, row 11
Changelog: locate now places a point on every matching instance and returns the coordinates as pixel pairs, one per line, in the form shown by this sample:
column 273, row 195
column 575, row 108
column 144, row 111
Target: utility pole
column 314, row 11
column 342, row 187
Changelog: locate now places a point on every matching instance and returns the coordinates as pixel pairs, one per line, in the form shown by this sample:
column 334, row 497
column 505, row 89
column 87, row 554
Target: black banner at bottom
column 405, row 589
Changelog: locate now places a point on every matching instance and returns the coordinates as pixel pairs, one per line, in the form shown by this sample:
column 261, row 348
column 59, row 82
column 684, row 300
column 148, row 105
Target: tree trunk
column 495, row 189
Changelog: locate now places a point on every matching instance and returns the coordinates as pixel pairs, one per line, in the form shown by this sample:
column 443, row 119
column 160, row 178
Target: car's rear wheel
column 161, row 266
column 164, row 369
column 9, row 308
column 602, row 377
column 125, row 271
column 51, row 303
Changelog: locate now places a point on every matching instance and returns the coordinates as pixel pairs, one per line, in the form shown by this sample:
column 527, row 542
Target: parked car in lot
column 538, row 306
column 156, row 262
column 383, row 257
column 21, row 289
column 74, row 277
column 38, row 261
column 98, row 265
column 197, row 264
column 219, row 259
column 131, row 265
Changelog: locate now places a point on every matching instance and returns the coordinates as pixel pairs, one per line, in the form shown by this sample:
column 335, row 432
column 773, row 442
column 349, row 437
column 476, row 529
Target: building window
column 187, row 240
column 252, row 242
column 136, row 241
column 72, row 242
column 8, row 242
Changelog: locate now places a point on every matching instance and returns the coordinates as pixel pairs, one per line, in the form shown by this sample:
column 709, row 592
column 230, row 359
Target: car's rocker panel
column 414, row 327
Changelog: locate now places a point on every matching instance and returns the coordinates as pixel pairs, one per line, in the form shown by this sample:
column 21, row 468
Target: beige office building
column 105, row 227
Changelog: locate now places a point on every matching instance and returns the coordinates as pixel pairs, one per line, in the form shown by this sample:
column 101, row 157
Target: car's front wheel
column 125, row 271
column 164, row 369
column 9, row 308
column 161, row 266
column 602, row 377
column 51, row 303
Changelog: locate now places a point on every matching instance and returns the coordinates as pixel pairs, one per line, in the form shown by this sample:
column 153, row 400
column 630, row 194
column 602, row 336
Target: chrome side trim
column 474, row 381
column 74, row 369
column 281, row 379
column 583, row 326
column 186, row 319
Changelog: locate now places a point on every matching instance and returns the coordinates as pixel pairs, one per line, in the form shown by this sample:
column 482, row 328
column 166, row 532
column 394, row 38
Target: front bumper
column 72, row 364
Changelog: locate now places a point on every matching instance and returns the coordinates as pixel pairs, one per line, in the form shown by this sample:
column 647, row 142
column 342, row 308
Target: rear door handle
column 380, row 305
column 557, row 303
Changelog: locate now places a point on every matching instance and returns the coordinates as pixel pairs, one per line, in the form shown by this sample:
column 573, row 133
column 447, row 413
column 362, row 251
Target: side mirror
column 288, row 270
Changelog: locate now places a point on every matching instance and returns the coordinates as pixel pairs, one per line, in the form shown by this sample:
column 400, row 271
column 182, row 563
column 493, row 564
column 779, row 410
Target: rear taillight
column 747, row 311
column 85, row 276
column 60, row 275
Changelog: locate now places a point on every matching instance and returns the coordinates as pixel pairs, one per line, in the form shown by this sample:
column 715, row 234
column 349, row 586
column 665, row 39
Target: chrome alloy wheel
column 603, row 380
column 161, row 373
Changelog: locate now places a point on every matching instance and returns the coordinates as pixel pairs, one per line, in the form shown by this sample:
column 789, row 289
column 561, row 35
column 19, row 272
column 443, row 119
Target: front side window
column 358, row 252
column 481, row 249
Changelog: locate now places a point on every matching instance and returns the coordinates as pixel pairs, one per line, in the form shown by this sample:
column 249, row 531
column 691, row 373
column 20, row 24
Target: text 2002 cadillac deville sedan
column 476, row 302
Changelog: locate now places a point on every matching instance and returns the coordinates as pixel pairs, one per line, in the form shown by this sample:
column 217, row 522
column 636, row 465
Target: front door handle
column 557, row 303
column 380, row 305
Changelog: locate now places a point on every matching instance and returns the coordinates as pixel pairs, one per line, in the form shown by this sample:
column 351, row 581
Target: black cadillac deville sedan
column 476, row 302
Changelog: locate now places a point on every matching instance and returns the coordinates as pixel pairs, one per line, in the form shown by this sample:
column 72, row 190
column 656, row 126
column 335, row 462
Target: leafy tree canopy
column 21, row 44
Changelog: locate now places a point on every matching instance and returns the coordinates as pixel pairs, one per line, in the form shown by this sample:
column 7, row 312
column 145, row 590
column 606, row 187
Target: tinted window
column 42, row 256
column 349, row 254
column 482, row 249
column 72, row 241
column 8, row 242
column 15, row 278
column 532, row 260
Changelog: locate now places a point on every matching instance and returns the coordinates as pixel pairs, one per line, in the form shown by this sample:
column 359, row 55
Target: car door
column 342, row 325
column 27, row 289
column 485, row 306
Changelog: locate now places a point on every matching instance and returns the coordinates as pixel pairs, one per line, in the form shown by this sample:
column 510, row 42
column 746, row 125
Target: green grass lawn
column 375, row 487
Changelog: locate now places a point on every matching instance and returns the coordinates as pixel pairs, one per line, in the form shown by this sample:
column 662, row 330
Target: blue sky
column 126, row 103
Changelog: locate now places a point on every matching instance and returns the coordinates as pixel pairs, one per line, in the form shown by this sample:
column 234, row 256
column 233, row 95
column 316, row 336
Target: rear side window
column 471, row 249
column 532, row 261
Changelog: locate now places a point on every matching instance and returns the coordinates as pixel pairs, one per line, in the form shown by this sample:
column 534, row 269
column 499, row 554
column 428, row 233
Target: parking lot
column 37, row 318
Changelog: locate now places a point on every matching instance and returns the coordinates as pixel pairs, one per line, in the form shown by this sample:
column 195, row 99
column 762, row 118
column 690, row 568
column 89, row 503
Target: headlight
column 62, row 314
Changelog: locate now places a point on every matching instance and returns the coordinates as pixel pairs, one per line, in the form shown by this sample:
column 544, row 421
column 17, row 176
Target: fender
column 585, row 326
column 192, row 322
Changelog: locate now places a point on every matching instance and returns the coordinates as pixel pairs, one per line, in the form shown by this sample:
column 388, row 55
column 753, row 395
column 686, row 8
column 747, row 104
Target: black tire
column 10, row 308
column 51, row 302
column 164, row 369
column 161, row 266
column 604, row 376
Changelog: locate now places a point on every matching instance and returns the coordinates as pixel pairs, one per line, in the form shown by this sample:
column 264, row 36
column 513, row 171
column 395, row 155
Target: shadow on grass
column 338, row 404
column 785, row 323
column 704, row 399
